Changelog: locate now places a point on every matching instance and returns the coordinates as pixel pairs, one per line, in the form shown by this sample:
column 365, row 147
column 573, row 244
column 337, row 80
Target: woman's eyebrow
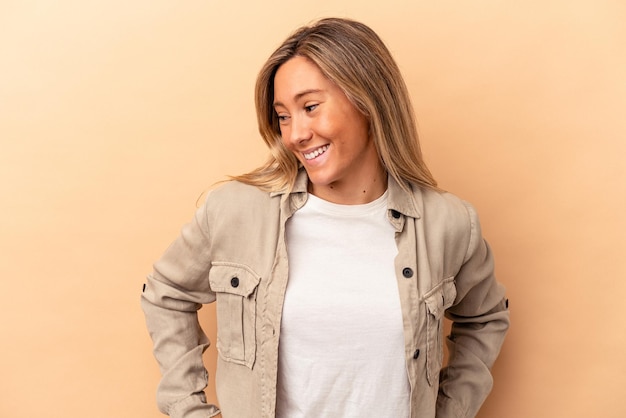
column 298, row 96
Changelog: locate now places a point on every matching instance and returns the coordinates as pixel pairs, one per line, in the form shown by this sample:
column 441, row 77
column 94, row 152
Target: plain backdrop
column 116, row 116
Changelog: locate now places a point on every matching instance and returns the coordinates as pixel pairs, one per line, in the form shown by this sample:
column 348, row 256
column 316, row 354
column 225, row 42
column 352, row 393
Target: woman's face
column 327, row 133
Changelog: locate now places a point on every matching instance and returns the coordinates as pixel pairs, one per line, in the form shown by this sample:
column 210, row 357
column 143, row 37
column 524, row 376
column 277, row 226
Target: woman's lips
column 315, row 153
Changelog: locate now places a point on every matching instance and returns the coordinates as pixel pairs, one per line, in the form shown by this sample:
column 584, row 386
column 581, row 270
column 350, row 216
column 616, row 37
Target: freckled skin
column 314, row 112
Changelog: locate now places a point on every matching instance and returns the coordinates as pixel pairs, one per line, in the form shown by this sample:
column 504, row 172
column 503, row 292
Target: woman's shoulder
column 233, row 195
column 455, row 215
column 434, row 199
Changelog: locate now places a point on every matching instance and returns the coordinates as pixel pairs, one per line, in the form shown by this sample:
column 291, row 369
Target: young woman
column 333, row 264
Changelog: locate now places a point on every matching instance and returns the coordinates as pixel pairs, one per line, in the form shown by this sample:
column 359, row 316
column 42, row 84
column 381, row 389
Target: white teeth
column 316, row 153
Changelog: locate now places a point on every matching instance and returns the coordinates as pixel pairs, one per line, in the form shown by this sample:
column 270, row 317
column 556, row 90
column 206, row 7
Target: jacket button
column 234, row 282
column 407, row 272
column 395, row 213
column 416, row 354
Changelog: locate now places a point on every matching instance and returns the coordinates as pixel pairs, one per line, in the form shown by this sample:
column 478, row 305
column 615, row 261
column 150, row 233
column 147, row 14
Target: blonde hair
column 351, row 55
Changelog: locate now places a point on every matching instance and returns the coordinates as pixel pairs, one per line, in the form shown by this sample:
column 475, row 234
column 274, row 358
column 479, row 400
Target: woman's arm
column 174, row 292
column 480, row 319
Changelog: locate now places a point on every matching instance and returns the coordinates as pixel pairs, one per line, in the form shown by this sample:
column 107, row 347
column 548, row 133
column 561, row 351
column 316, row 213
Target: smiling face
column 327, row 134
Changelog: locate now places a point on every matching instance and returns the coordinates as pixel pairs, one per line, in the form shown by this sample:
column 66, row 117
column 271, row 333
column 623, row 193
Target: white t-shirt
column 341, row 351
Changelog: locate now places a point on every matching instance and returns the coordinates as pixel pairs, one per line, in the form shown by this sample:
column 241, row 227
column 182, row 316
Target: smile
column 316, row 153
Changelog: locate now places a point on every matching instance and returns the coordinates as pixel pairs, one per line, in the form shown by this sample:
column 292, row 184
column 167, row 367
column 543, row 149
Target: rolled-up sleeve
column 480, row 319
column 174, row 291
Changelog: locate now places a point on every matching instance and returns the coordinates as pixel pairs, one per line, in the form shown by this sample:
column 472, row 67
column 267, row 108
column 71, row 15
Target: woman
column 333, row 264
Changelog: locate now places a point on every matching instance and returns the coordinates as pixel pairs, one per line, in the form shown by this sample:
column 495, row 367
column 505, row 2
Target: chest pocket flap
column 441, row 297
column 235, row 286
column 233, row 278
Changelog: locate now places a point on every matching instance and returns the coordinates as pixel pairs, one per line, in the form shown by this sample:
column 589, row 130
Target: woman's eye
column 310, row 108
column 282, row 119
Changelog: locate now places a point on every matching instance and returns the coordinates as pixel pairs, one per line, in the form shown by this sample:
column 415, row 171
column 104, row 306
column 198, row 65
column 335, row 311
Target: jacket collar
column 401, row 201
column 398, row 199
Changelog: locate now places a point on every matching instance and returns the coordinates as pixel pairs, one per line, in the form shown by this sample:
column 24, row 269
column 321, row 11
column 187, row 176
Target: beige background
column 115, row 116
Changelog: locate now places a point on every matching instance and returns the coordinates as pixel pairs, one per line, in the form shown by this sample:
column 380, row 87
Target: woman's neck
column 365, row 191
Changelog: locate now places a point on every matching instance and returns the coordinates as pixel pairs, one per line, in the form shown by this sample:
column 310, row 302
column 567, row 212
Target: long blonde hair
column 351, row 55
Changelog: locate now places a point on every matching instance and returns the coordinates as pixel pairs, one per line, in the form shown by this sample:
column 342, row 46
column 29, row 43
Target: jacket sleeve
column 480, row 319
column 175, row 290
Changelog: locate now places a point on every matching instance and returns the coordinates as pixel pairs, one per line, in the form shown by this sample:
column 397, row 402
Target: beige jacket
column 234, row 252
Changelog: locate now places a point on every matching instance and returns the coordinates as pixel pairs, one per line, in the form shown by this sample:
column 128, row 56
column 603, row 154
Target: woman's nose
column 299, row 130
